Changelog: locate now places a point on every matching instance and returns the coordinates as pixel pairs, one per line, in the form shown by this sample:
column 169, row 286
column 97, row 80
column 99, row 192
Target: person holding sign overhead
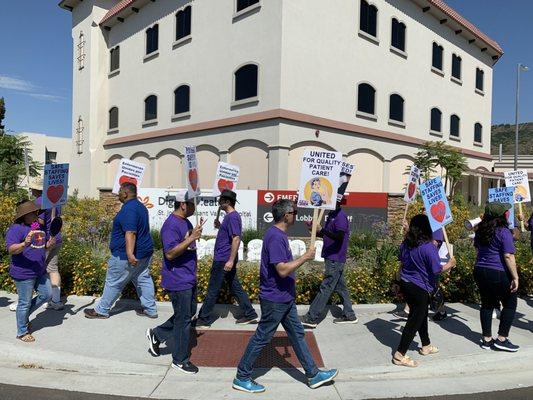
column 178, row 277
column 224, row 266
column 277, row 295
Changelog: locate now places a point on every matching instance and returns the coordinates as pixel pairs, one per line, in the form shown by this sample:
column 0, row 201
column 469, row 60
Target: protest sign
column 412, row 185
column 436, row 203
column 129, row 171
column 504, row 195
column 191, row 170
column 226, row 178
column 519, row 180
column 55, row 185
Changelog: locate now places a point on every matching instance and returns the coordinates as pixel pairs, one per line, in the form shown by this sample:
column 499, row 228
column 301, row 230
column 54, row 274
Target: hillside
column 505, row 134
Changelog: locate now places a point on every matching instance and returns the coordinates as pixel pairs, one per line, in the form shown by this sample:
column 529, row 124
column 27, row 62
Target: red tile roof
column 120, row 6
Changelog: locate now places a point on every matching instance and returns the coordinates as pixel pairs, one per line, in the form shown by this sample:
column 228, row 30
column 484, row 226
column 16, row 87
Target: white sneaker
column 55, row 306
column 13, row 306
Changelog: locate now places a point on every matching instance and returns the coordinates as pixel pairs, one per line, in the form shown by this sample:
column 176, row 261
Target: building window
column 152, row 39
column 478, row 133
column 437, row 56
column 396, row 108
column 366, row 96
column 182, row 100
column 183, row 23
column 79, row 135
column 80, row 51
column 115, row 59
column 479, row 79
column 246, row 79
column 113, row 118
column 454, row 125
column 150, row 108
column 50, row 157
column 398, row 35
column 243, row 4
column 368, row 18
column 436, row 120
column 456, row 66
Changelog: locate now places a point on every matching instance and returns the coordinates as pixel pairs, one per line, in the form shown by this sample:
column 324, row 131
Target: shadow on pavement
column 50, row 318
column 388, row 333
column 453, row 325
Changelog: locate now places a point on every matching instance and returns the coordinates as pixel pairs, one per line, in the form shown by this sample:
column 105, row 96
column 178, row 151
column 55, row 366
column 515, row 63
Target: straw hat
column 26, row 208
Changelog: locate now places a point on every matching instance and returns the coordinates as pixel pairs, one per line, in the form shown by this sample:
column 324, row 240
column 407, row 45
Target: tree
column 2, row 114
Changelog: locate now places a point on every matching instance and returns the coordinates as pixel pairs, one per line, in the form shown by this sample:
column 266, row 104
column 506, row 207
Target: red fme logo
column 268, row 197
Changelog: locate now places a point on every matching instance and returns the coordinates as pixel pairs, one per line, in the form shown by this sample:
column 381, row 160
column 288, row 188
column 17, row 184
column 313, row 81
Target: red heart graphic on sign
column 438, row 211
column 411, row 190
column 193, row 179
column 127, row 179
column 54, row 193
column 224, row 184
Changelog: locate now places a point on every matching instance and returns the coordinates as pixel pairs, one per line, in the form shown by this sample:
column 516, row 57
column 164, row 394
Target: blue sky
column 36, row 61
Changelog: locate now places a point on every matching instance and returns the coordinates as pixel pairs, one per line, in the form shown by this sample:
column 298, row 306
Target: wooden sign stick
column 321, row 215
column 195, row 210
column 313, row 229
column 450, row 249
column 405, row 212
column 521, row 212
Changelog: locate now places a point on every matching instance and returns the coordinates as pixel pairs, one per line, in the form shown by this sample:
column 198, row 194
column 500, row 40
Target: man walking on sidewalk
column 225, row 265
column 131, row 252
column 277, row 294
column 178, row 277
column 336, row 234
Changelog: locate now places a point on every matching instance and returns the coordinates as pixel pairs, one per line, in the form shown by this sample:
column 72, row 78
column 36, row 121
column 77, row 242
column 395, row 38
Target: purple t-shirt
column 420, row 265
column 492, row 256
column 276, row 250
column 46, row 216
column 231, row 226
column 336, row 250
column 438, row 235
column 30, row 263
column 179, row 273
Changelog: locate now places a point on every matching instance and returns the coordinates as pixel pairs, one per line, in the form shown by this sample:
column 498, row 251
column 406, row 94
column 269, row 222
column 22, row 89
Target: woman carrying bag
column 420, row 263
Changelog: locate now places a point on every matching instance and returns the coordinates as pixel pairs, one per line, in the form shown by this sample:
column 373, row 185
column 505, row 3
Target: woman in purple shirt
column 495, row 274
column 420, row 263
column 26, row 243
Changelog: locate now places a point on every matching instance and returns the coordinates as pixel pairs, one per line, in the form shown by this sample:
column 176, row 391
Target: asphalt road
column 10, row 392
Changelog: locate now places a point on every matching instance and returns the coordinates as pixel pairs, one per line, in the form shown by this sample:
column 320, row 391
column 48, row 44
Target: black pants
column 495, row 288
column 418, row 301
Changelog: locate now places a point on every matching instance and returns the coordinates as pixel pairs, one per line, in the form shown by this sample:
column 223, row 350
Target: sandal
column 429, row 350
column 26, row 338
column 405, row 361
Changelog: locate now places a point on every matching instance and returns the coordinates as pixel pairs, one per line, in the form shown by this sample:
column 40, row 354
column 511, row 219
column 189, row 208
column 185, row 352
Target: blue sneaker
column 248, row 386
column 321, row 378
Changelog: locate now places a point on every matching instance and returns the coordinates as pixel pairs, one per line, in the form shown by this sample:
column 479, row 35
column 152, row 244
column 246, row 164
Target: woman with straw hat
column 26, row 243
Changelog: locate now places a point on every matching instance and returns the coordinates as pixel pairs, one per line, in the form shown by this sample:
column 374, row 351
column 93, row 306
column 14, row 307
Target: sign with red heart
column 226, row 178
column 191, row 170
column 128, row 172
column 55, row 184
column 436, row 203
column 412, row 184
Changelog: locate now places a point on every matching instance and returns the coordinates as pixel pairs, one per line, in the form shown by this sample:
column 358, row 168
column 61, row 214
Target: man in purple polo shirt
column 225, row 265
column 178, row 277
column 336, row 234
column 277, row 294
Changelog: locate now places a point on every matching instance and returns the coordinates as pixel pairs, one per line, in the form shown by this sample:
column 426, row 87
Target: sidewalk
column 110, row 356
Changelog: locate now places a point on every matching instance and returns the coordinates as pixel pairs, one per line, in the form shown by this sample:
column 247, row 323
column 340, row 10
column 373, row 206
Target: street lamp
column 520, row 67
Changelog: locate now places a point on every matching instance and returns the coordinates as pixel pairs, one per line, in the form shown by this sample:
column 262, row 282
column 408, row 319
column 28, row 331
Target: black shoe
column 142, row 313
column 346, row 320
column 506, row 345
column 440, row 316
column 200, row 324
column 245, row 321
column 154, row 343
column 307, row 323
column 401, row 314
column 487, row 345
column 188, row 368
column 91, row 314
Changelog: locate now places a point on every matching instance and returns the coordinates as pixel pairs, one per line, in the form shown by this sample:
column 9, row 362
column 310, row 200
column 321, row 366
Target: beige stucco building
column 373, row 80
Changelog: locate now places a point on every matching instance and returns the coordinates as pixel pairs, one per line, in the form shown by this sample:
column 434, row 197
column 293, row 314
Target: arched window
column 152, row 39
column 368, row 18
column 366, row 96
column 479, row 79
column 246, row 82
column 243, row 4
column 456, row 66
column 113, row 118
column 436, row 120
column 478, row 133
column 182, row 99
column 454, row 125
column 398, row 34
column 150, row 108
column 396, row 108
column 183, row 23
column 115, row 59
column 437, row 56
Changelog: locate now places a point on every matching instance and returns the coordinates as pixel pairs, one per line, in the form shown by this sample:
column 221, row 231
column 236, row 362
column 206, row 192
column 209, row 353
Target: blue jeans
column 217, row 277
column 119, row 274
column 27, row 303
column 272, row 314
column 333, row 282
column 179, row 324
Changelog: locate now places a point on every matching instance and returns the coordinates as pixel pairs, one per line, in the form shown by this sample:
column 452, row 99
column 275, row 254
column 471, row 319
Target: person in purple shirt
column 26, row 243
column 420, row 263
column 496, row 275
column 336, row 234
column 277, row 294
column 178, row 278
column 224, row 266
